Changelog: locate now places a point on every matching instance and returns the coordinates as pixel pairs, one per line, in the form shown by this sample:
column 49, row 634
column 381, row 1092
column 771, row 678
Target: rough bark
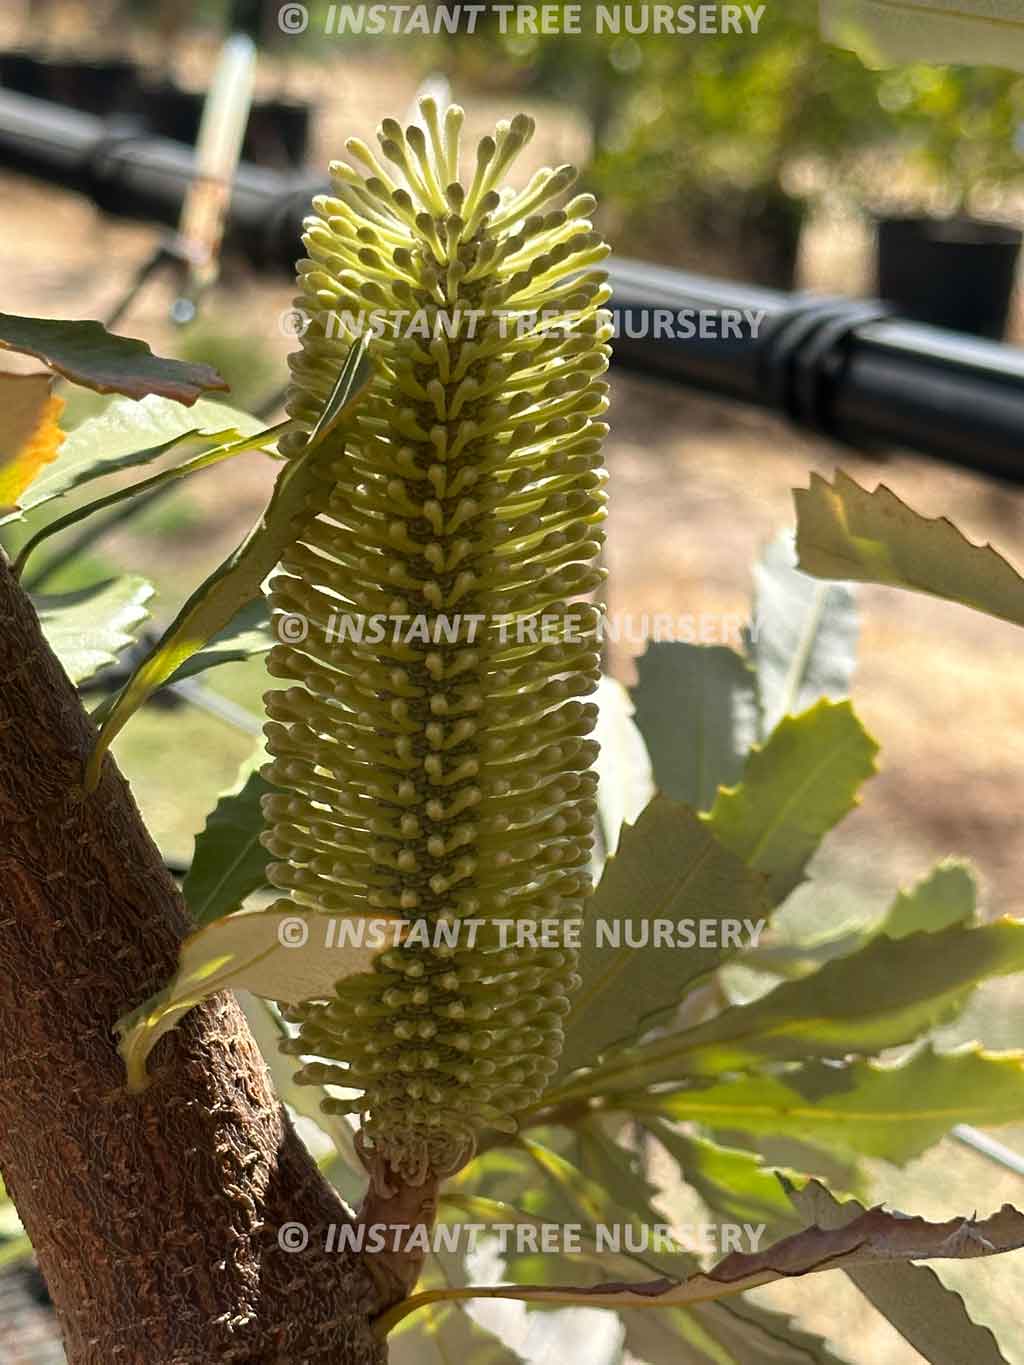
column 155, row 1217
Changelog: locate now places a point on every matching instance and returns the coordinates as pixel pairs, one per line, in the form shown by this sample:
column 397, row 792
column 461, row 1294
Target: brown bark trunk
column 155, row 1217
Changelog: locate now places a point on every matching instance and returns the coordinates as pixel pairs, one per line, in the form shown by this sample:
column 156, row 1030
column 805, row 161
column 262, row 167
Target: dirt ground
column 697, row 487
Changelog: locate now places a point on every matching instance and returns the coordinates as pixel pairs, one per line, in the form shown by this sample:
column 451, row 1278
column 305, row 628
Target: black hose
column 838, row 366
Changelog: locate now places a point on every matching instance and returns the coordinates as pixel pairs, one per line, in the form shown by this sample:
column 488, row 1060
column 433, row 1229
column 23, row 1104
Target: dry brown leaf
column 879, row 1235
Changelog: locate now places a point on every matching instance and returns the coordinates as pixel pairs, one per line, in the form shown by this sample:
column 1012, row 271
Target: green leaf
column 87, row 354
column 623, row 766
column 248, row 633
column 803, row 643
column 447, row 1335
column 669, row 868
column 599, row 1261
column 802, row 957
column 128, row 433
column 847, row 532
column 508, row 1174
column 697, row 711
column 794, row 789
column 670, row 1334
column 953, row 32
column 912, row 1297
column 209, row 457
column 15, row 1246
column 611, row 1163
column 592, row 1205
column 861, row 1109
column 14, row 1250
column 732, row 1182
column 88, row 628
column 588, row 1199
column 887, row 994
column 230, row 863
column 275, row 955
column 752, row 1333
column 730, row 1332
column 947, row 896
column 239, row 579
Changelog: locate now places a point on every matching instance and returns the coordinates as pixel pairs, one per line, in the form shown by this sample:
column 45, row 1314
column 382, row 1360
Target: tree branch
column 156, row 1217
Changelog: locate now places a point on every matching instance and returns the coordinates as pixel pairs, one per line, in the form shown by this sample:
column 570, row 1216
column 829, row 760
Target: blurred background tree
column 718, row 148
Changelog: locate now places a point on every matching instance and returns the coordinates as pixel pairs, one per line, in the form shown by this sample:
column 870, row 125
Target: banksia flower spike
column 438, row 767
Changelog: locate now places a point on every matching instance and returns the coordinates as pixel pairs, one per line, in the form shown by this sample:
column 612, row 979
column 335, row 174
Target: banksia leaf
column 435, row 762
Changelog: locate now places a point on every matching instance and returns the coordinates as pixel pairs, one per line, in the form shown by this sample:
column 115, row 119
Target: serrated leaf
column 669, row 868
column 696, row 707
column 887, row 994
column 878, row 1237
column 957, row 32
column 947, row 896
column 31, row 435
column 803, row 642
column 846, row 532
column 128, row 433
column 87, row 354
column 795, row 788
column 238, row 580
column 263, row 952
column 88, row 628
column 912, row 1297
column 861, row 1109
column 230, row 863
column 732, row 1182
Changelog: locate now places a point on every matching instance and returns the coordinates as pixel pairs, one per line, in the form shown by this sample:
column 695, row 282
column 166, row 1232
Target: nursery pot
column 955, row 272
column 24, row 73
column 101, row 87
column 756, row 230
column 278, row 134
column 173, row 112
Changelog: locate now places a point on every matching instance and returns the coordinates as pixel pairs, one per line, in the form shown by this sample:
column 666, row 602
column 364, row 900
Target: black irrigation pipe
column 838, row 366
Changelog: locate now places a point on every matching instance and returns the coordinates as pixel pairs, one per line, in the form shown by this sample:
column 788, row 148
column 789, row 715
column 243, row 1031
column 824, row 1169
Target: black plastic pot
column 96, row 87
column 23, row 72
column 956, row 272
column 173, row 112
column 278, row 134
column 103, row 87
column 759, row 228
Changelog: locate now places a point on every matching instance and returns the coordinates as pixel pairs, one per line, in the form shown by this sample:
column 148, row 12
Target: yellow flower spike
column 434, row 762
